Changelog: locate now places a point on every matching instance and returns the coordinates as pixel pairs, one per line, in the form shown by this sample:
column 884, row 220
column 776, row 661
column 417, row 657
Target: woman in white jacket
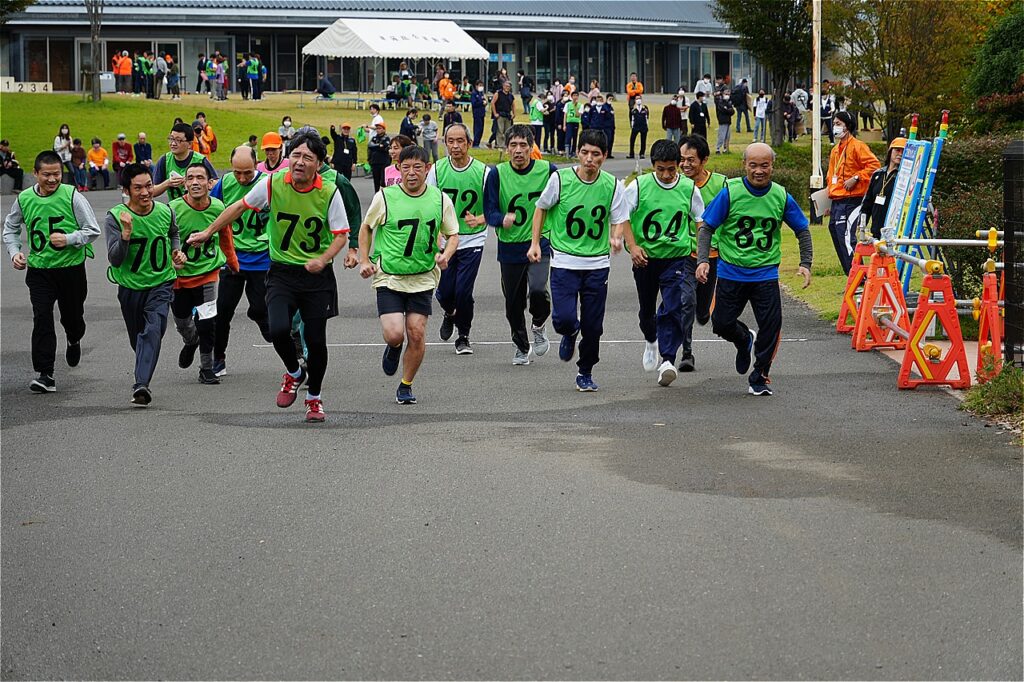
column 62, row 145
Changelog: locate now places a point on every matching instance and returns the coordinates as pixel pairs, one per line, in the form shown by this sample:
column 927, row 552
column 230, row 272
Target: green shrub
column 960, row 214
column 1001, row 396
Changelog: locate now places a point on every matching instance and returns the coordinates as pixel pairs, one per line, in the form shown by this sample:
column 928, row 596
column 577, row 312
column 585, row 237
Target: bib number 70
column 745, row 238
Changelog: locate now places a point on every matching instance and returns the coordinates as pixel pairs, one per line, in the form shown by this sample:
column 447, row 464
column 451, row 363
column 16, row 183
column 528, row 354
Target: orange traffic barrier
column 858, row 273
column 882, row 295
column 990, row 328
column 925, row 358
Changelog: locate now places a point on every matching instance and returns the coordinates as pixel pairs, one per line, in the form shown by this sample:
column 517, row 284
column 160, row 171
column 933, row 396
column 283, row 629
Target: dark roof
column 683, row 16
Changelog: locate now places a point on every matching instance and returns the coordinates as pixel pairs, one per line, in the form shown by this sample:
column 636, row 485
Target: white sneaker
column 650, row 356
column 521, row 358
column 540, row 341
column 666, row 373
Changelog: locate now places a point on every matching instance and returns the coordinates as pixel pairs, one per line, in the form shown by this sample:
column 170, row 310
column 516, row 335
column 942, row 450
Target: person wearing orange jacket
column 634, row 88
column 850, row 165
column 122, row 71
column 445, row 88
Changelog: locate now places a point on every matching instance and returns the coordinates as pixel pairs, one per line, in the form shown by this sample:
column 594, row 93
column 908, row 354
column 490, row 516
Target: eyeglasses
column 176, row 140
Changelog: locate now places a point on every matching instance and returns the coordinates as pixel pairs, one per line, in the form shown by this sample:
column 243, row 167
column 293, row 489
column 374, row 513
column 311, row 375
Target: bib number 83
column 745, row 238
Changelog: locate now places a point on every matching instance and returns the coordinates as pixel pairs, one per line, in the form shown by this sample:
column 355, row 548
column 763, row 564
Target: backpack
column 213, row 143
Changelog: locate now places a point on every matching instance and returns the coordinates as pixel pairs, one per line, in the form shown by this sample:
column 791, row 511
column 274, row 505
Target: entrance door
column 171, row 47
column 503, row 56
column 723, row 64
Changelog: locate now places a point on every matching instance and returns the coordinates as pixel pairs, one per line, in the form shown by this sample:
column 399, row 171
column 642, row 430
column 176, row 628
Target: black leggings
column 378, row 177
column 315, row 332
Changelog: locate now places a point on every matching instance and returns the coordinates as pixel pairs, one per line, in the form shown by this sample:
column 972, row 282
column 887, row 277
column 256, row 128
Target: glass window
column 576, row 62
column 62, row 63
column 707, row 62
column 542, row 67
column 35, row 55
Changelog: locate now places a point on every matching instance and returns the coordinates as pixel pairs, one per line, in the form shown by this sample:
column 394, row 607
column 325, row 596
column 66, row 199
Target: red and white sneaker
column 315, row 410
column 289, row 385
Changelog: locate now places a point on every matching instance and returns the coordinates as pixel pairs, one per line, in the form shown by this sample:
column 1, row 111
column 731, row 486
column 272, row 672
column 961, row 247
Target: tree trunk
column 96, row 94
column 778, row 123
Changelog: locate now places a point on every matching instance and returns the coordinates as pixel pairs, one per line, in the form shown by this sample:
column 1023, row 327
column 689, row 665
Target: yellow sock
column 406, row 383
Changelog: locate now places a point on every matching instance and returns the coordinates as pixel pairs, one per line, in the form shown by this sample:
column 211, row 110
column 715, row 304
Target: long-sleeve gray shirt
column 117, row 248
column 87, row 232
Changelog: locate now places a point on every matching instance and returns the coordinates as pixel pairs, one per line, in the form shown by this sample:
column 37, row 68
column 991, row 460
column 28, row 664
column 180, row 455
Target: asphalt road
column 505, row 527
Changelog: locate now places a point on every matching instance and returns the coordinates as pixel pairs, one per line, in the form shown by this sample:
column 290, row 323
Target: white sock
column 310, row 396
column 296, row 374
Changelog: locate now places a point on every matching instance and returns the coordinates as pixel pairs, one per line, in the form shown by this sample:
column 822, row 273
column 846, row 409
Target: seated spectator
column 99, row 163
column 78, row 161
column 144, row 151
column 325, row 88
column 9, row 165
column 253, row 142
column 391, row 93
column 122, row 153
column 286, row 129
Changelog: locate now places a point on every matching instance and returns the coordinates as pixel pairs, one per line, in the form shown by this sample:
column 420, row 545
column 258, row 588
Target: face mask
column 673, row 102
column 639, row 104
column 551, row 98
column 838, row 131
column 287, row 123
column 586, row 109
column 480, row 88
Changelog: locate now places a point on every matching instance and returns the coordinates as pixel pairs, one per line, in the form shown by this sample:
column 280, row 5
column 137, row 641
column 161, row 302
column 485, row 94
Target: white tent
column 395, row 38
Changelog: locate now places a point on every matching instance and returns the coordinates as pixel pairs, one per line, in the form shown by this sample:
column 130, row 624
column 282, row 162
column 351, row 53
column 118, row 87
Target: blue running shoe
column 392, row 354
column 585, row 383
column 743, row 354
column 220, row 367
column 567, row 348
column 404, row 396
column 759, row 384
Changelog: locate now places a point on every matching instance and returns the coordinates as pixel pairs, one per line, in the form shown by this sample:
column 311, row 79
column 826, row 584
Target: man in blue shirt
column 750, row 211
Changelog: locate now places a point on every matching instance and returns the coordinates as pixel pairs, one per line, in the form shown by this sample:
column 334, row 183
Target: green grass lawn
column 30, row 122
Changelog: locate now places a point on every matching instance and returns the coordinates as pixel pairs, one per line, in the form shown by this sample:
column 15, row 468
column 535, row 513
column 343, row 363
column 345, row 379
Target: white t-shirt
column 466, row 241
column 547, row 200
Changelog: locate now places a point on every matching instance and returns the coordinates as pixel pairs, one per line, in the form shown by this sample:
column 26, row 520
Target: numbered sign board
column 9, row 85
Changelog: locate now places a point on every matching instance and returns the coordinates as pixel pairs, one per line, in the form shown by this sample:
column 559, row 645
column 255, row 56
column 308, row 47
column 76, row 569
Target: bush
column 1001, row 396
column 1000, row 59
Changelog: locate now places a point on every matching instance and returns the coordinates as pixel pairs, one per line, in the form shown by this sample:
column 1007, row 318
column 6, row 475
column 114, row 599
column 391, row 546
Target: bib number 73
column 746, row 239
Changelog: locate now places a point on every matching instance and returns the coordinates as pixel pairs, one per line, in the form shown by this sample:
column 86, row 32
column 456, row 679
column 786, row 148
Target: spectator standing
column 699, row 115
column 760, row 116
column 503, row 112
column 378, row 154
column 123, row 69
column 62, row 146
column 557, row 89
column 573, row 118
column 602, row 117
column 9, row 165
column 724, row 111
column 160, row 75
column 802, row 99
column 537, row 119
column 639, row 117
column 634, row 88
column 850, row 165
column 274, row 159
column 445, row 88
column 254, row 72
column 121, row 151
column 741, row 102
column 450, row 116
column 560, row 105
column 345, row 150
column 595, row 90
column 221, row 75
column 173, row 80
column 672, row 120
column 244, row 87
column 99, row 163
column 143, row 151
column 876, row 200
column 428, row 133
column 478, row 104
column 526, row 91
column 408, row 126
column 78, row 161
column 791, row 115
column 201, row 74
column 704, row 85
column 548, row 142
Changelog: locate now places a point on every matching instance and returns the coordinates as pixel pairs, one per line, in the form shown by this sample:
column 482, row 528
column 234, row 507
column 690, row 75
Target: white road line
column 378, row 344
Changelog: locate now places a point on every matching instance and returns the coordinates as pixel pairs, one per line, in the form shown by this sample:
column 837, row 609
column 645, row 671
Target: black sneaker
column 392, row 354
column 687, row 364
column 187, row 355
column 447, row 327
column 208, row 376
column 759, row 384
column 73, row 354
column 462, row 346
column 44, row 383
column 743, row 353
column 141, row 396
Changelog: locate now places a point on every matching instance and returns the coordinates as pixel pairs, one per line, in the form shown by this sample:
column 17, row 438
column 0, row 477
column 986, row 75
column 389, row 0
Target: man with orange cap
column 876, row 199
column 273, row 150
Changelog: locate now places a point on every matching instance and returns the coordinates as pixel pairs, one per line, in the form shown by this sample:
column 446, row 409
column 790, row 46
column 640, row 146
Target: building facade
column 668, row 44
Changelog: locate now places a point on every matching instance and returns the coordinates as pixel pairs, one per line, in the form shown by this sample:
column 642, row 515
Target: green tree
column 778, row 34
column 10, row 7
column 1000, row 59
column 913, row 54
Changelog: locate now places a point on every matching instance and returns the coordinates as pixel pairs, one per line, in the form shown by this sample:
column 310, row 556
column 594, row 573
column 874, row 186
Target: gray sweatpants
column 145, row 318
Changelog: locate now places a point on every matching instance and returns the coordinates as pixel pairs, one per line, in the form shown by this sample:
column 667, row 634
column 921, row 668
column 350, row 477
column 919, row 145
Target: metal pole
column 816, row 177
column 887, row 322
column 942, row 242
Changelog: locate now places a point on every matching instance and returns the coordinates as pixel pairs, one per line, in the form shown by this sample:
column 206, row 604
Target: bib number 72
column 745, row 238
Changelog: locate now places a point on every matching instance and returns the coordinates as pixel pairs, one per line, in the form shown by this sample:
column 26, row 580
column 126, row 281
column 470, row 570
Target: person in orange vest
column 123, row 72
column 850, row 165
column 445, row 88
column 634, row 88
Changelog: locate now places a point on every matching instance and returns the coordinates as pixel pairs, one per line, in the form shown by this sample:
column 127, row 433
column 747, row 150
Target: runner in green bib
column 403, row 224
column 578, row 225
column 195, row 293
column 749, row 213
column 577, row 210
column 510, row 199
column 694, row 153
column 664, row 207
column 308, row 227
column 462, row 178
column 60, row 226
column 252, row 249
column 143, row 249
column 571, row 125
